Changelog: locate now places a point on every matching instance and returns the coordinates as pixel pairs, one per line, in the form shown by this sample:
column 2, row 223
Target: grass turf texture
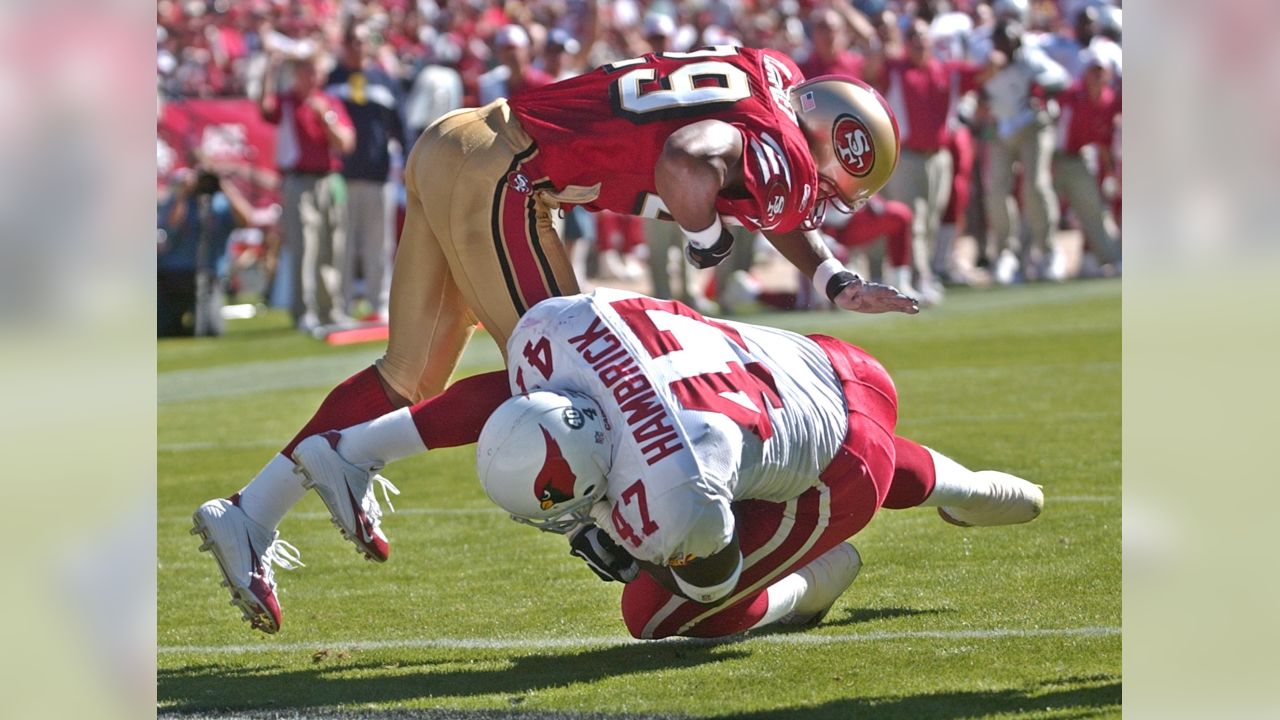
column 475, row 616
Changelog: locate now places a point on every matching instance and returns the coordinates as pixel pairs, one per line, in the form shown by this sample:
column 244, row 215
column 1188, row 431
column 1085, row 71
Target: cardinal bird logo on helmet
column 554, row 483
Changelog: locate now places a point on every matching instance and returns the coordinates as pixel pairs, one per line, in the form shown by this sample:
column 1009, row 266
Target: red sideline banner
column 229, row 134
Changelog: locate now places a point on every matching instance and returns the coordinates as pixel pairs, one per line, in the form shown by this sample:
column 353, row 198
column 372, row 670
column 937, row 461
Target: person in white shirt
column 1020, row 81
column 716, row 468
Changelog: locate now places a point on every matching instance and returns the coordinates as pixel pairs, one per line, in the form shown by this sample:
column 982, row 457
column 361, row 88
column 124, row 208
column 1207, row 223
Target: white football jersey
column 702, row 412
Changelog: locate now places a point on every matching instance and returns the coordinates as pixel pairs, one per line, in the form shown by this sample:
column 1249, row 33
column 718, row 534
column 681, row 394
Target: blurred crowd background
column 283, row 125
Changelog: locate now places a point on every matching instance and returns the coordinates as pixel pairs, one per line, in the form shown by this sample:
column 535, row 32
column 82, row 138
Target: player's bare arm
column 698, row 163
column 806, row 250
column 713, row 576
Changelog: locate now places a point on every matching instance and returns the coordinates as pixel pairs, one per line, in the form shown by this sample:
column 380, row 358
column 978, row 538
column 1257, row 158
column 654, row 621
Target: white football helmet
column 544, row 457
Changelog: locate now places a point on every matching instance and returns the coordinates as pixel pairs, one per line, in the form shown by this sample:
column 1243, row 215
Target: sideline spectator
column 562, row 57
column 437, row 88
column 372, row 100
column 196, row 221
column 920, row 90
column 314, row 132
column 1088, row 124
column 879, row 219
column 1017, row 79
column 514, row 73
column 831, row 55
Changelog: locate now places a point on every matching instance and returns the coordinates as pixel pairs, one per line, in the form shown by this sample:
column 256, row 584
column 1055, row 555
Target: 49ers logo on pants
column 854, row 149
column 519, row 182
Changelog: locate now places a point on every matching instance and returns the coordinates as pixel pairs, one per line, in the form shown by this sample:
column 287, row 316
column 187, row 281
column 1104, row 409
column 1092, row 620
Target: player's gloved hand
column 603, row 555
column 703, row 258
column 849, row 292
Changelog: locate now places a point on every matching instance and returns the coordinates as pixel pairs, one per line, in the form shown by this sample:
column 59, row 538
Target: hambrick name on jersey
column 647, row 418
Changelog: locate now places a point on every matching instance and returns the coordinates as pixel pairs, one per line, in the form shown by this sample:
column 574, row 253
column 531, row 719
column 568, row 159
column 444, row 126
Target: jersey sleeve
column 780, row 179
column 777, row 167
column 767, row 174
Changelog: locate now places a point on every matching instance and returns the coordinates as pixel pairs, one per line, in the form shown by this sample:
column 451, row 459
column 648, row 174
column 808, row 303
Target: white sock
column 272, row 492
column 901, row 277
column 954, row 484
column 783, row 596
column 381, row 440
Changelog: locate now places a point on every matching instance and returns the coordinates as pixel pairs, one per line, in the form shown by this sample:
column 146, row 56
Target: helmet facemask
column 828, row 195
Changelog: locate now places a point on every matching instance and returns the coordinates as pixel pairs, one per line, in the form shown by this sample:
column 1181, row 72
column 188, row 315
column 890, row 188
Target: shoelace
column 281, row 553
column 372, row 509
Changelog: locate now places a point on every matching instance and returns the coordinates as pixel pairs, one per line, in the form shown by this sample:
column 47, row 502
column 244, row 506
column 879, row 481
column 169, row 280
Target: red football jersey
column 608, row 127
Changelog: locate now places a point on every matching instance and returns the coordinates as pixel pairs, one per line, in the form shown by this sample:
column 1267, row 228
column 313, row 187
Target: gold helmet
column 852, row 135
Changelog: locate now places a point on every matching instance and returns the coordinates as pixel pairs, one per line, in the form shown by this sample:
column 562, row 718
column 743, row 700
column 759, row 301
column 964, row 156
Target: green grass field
column 476, row 613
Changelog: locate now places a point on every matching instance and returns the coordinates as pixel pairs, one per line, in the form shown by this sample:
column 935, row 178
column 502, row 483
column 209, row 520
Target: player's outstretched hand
column 603, row 555
column 868, row 297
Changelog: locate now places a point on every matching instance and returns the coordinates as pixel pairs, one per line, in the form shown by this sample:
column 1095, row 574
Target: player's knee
column 398, row 377
column 635, row 625
column 636, row 621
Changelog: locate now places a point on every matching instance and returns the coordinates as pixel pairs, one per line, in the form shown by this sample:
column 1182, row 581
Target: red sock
column 358, row 399
column 913, row 475
column 456, row 416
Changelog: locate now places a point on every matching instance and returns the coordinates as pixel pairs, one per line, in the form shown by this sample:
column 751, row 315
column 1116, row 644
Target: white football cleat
column 827, row 577
column 1006, row 500
column 245, row 552
column 347, row 490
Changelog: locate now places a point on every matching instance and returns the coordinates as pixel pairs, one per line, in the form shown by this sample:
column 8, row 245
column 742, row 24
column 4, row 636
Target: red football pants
column 779, row 538
column 618, row 232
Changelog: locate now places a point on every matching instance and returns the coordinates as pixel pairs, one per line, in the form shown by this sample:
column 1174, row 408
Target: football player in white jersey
column 715, row 467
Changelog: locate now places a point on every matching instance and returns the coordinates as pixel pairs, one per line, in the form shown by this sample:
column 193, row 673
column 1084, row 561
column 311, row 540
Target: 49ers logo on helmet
column 555, row 480
column 854, row 149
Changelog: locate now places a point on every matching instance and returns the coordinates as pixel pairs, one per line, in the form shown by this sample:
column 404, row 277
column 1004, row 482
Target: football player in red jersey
column 716, row 135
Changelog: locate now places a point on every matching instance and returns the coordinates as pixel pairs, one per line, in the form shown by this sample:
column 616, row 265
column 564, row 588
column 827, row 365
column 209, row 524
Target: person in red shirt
column 881, row 219
column 1090, row 112
column 831, row 55
column 922, row 89
column 314, row 133
column 515, row 73
column 717, row 135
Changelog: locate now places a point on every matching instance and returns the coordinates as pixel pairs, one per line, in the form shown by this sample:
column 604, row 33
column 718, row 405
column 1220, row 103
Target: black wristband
column 710, row 257
column 839, row 282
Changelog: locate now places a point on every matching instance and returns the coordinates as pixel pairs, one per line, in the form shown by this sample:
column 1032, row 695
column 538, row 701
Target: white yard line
column 569, row 643
column 495, row 511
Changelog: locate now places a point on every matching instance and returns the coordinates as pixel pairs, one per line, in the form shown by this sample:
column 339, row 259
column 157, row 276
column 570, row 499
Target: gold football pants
column 478, row 245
